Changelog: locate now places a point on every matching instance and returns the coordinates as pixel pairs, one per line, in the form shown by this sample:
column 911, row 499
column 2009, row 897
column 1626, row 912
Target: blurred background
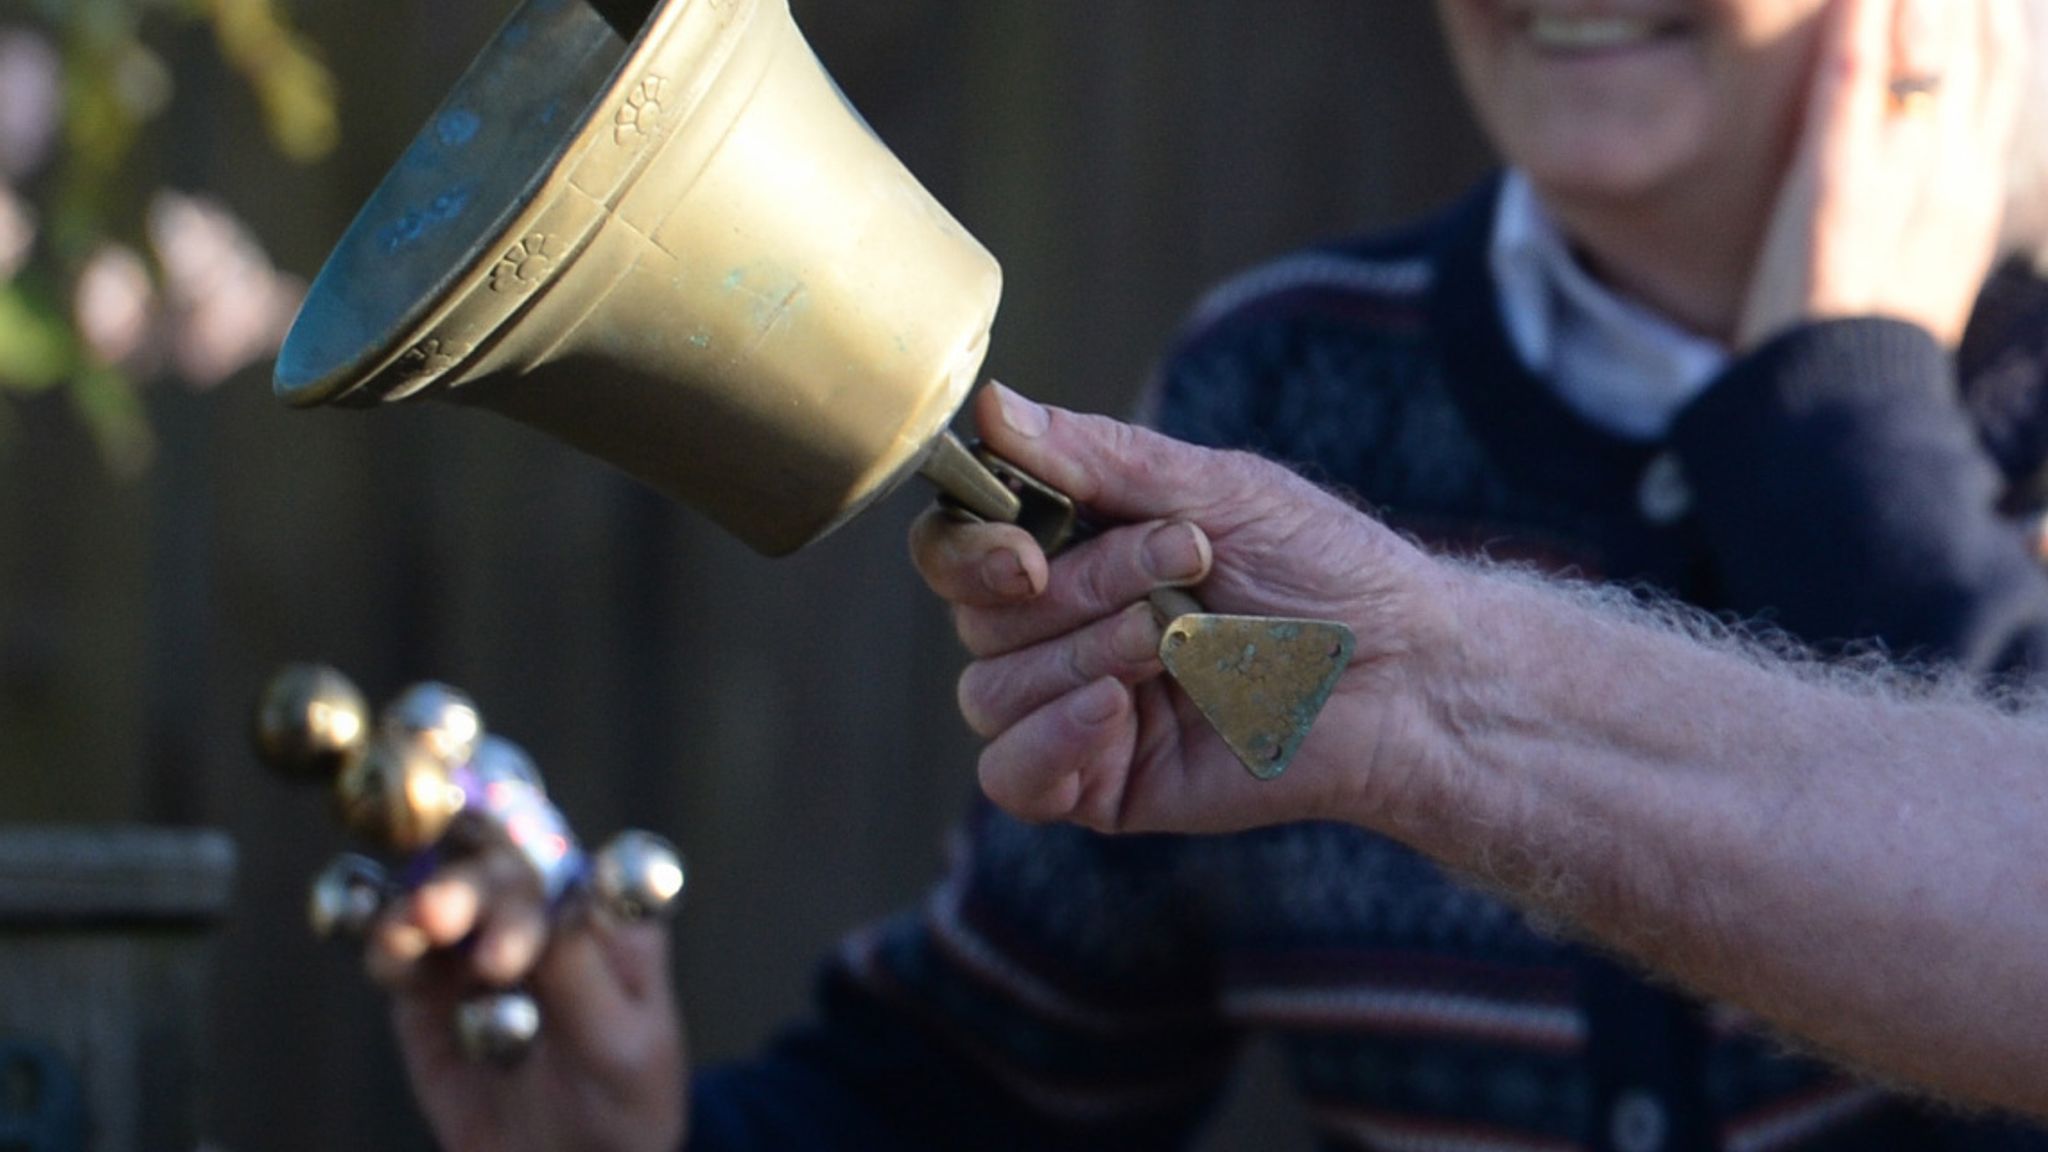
column 172, row 171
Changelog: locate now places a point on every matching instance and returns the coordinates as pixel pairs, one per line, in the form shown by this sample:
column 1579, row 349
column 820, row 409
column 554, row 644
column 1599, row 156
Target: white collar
column 1615, row 362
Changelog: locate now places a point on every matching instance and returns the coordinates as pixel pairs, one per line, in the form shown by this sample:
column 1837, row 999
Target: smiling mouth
column 1558, row 32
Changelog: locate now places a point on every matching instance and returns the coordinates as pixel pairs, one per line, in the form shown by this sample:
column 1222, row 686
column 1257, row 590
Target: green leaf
column 109, row 404
column 37, row 348
column 295, row 89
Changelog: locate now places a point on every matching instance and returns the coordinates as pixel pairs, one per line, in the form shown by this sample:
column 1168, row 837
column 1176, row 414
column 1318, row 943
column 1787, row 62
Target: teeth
column 1584, row 33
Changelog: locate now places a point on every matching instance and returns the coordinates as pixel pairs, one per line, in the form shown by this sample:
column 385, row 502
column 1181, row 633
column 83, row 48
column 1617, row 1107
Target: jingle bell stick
column 426, row 782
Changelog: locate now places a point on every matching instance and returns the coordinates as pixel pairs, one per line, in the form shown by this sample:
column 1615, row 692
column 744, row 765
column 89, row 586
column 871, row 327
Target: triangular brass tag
column 1260, row 681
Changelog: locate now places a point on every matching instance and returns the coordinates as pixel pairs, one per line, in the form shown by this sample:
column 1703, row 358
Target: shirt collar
column 1615, row 362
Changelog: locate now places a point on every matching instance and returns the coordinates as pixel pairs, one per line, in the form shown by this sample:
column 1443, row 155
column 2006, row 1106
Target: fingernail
column 1099, row 703
column 1025, row 417
column 1175, row 554
column 1137, row 635
column 1002, row 572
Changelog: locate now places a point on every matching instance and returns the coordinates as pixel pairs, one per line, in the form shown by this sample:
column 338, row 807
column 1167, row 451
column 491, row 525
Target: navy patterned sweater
column 1065, row 990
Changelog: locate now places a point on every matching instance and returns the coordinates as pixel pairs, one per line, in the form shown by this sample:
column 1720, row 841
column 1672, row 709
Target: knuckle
column 1077, row 662
column 926, row 548
column 999, row 782
column 1101, row 580
column 1133, row 641
column 1250, row 473
column 976, row 631
column 1121, row 438
column 972, row 697
column 1099, row 810
column 948, row 553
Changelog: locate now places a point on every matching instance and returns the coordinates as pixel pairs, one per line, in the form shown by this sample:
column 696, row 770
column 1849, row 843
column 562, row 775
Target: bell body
column 688, row 256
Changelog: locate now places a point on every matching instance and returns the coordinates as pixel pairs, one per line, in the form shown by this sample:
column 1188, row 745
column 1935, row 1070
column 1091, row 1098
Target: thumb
column 1119, row 471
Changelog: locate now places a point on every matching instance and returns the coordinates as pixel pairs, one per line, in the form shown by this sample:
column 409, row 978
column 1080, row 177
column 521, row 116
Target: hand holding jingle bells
column 428, row 783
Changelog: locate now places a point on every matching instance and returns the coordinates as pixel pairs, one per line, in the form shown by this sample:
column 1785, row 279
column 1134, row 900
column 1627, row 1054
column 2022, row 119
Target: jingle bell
column 441, row 719
column 346, row 898
column 498, row 759
column 311, row 723
column 638, row 876
column 497, row 1028
column 400, row 795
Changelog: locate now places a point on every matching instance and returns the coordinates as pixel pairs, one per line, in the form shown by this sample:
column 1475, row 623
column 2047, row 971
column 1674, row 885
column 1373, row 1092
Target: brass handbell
column 665, row 237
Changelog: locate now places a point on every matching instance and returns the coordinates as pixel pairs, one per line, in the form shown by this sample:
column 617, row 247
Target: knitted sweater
column 1066, row 990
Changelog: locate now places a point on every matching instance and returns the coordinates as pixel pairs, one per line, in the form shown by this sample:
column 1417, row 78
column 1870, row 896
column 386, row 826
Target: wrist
column 1397, row 712
column 1508, row 721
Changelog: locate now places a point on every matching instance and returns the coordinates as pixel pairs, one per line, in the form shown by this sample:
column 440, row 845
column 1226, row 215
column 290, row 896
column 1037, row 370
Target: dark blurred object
column 105, row 983
column 42, row 1107
column 625, row 16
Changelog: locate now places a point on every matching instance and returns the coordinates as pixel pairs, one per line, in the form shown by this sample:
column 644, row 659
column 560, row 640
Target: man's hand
column 1066, row 683
column 608, row 1072
column 1893, row 202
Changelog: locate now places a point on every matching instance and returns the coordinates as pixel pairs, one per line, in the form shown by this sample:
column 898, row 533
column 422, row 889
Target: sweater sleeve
column 1048, row 994
column 1844, row 494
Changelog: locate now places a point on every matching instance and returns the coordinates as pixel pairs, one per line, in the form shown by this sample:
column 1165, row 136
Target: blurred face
column 1606, row 99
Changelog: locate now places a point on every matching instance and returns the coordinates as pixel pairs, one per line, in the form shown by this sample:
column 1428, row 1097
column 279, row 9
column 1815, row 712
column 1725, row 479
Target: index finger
column 978, row 565
column 493, row 890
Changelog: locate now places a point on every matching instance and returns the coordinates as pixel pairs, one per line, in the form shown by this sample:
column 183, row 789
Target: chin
column 1603, row 165
column 1600, row 175
column 1598, row 179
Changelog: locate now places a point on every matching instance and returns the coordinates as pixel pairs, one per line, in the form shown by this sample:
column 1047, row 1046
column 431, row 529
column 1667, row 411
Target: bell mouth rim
column 553, row 215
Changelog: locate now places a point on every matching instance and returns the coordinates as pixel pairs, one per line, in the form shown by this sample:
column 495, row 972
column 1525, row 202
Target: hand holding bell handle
column 1259, row 680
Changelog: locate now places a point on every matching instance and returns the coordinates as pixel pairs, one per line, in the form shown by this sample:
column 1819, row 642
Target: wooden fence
column 790, row 723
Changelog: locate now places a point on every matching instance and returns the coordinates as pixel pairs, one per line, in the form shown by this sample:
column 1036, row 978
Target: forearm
column 1857, row 865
